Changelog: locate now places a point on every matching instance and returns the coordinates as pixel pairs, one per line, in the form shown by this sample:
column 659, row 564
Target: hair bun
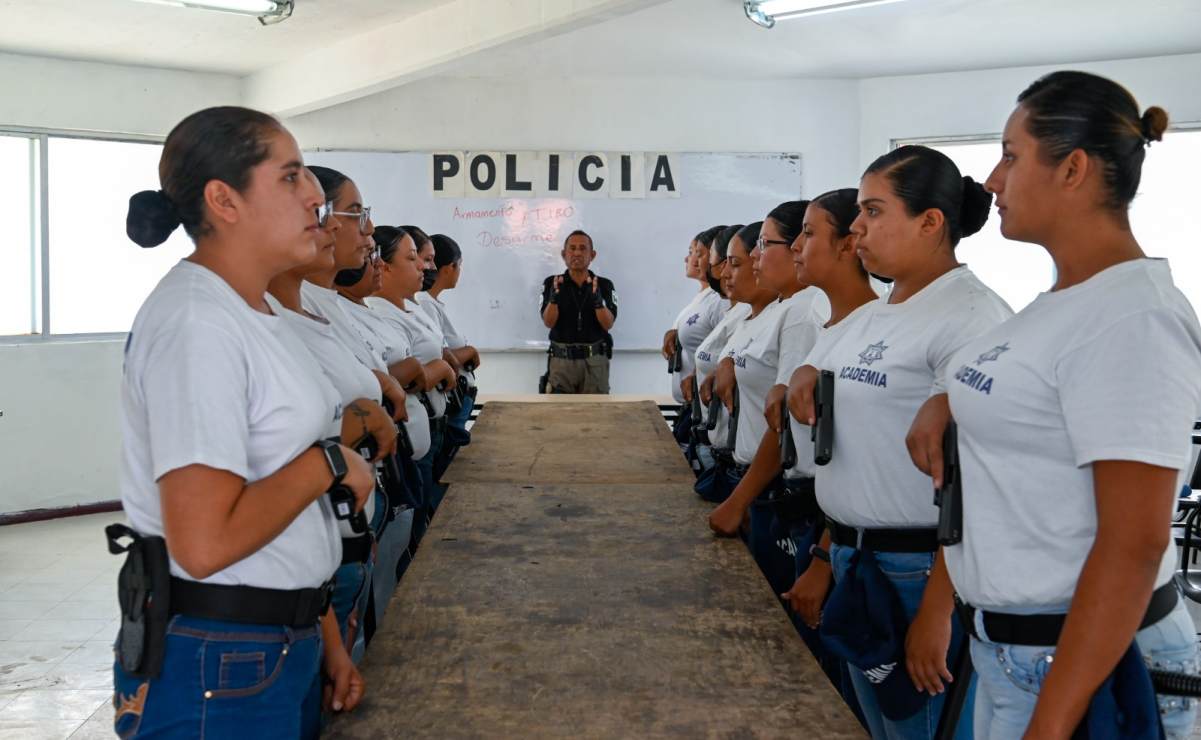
column 1154, row 123
column 977, row 202
column 151, row 218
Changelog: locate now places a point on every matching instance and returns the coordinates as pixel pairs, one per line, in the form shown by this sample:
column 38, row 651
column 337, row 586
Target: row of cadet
column 914, row 469
column 292, row 393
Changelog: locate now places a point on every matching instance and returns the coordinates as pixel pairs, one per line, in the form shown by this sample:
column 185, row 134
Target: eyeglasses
column 324, row 211
column 762, row 243
column 363, row 216
column 373, row 255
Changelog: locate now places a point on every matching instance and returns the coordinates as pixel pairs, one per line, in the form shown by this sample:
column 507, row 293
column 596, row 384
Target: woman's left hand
column 346, row 686
column 726, row 519
column 926, row 646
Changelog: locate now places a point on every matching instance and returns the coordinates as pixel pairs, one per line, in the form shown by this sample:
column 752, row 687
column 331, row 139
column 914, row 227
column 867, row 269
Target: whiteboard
column 510, row 245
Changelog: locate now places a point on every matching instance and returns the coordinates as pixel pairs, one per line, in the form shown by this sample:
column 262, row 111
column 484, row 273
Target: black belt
column 299, row 608
column 563, row 351
column 356, row 549
column 924, row 539
column 1042, row 630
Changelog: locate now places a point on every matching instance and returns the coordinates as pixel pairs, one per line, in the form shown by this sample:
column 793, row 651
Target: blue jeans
column 1012, row 675
column 224, row 680
column 392, row 548
column 908, row 573
column 432, row 491
column 771, row 547
column 352, row 586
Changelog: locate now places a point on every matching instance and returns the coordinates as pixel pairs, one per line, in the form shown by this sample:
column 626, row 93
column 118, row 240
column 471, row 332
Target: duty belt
column 563, row 351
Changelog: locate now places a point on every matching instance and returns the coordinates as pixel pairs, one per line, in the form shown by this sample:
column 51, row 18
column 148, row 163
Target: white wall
column 973, row 103
column 53, row 93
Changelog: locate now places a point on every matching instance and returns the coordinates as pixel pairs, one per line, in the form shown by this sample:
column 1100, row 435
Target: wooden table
column 579, row 593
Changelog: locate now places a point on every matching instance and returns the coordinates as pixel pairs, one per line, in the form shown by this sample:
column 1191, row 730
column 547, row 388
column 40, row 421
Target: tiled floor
column 58, row 617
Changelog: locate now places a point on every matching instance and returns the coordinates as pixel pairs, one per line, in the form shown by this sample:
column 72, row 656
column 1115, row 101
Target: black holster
column 949, row 498
column 795, row 501
column 143, row 591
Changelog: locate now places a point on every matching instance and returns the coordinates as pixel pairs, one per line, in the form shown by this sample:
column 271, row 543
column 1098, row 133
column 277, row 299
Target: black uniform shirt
column 577, row 322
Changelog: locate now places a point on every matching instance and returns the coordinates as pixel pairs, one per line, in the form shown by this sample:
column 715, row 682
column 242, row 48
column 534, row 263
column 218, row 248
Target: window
column 1163, row 218
column 19, row 246
column 82, row 275
column 98, row 277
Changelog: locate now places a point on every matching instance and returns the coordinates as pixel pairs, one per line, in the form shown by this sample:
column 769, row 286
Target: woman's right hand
column 706, row 390
column 808, row 594
column 773, row 406
column 442, row 376
column 686, row 387
column 362, row 417
column 800, row 394
column 669, row 344
column 723, row 386
column 360, row 477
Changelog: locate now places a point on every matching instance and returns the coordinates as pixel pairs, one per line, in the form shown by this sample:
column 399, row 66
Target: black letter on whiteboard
column 625, row 173
column 590, row 161
column 445, row 165
column 662, row 176
column 474, row 172
column 552, row 172
column 511, row 181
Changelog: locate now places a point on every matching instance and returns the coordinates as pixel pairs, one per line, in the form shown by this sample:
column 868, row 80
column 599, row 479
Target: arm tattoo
column 362, row 414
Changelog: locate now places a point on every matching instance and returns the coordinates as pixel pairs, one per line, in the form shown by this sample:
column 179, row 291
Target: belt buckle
column 590, row 348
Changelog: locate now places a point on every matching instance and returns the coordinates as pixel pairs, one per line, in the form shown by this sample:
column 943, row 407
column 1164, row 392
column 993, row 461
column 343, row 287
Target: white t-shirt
column 395, row 346
column 695, row 322
column 708, row 354
column 789, row 332
column 436, row 310
column 889, row 360
column 802, row 434
column 1103, row 370
column 210, row 381
column 327, row 304
column 425, row 339
column 349, row 377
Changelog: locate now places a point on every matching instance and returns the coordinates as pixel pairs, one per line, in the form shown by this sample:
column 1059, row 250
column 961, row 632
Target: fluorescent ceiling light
column 767, row 12
column 267, row 11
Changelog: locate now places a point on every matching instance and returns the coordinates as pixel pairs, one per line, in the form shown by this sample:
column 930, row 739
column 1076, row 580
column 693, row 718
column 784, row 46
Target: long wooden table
column 569, row 586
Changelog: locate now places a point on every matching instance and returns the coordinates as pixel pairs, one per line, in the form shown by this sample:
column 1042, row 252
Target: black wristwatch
column 333, row 458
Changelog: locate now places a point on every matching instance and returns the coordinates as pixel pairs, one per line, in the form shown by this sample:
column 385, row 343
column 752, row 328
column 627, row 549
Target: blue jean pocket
column 241, row 670
column 1025, row 667
column 905, row 566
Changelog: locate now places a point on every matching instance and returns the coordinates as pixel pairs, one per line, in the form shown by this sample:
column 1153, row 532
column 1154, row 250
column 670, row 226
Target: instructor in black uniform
column 579, row 308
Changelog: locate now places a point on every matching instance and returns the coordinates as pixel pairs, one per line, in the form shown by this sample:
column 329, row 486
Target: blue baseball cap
column 864, row 624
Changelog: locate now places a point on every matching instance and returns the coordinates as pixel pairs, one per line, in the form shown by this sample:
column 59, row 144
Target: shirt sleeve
column 609, row 296
column 797, row 338
column 196, row 388
column 979, row 314
column 1140, row 410
column 546, row 288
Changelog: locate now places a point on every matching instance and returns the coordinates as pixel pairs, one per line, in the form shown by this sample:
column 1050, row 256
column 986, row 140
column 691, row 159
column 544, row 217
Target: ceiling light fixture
column 267, row 11
column 766, row 12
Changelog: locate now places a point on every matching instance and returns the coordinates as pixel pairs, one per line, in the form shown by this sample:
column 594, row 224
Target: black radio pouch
column 143, row 591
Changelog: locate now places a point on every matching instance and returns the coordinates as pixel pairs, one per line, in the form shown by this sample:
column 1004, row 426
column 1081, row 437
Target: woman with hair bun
column 888, row 362
column 223, row 413
column 1075, row 420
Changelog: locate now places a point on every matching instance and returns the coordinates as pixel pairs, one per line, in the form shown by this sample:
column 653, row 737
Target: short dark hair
column 387, row 238
column 1077, row 110
column 580, row 232
column 420, row 238
column 446, row 250
column 925, row 178
column 843, row 207
column 749, row 234
column 721, row 241
column 223, row 143
column 789, row 217
column 707, row 236
column 331, row 180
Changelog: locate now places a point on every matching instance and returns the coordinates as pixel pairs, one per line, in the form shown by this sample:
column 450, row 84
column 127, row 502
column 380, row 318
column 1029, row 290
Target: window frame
column 40, row 319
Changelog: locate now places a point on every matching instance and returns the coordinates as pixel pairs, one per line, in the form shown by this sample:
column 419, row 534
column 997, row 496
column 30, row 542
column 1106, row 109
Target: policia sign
column 553, row 174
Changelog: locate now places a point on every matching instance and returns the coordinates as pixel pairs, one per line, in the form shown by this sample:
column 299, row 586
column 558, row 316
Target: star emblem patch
column 993, row 354
column 693, row 319
column 872, row 353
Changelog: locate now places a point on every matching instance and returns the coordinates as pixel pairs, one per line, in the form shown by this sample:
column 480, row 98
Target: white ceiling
column 130, row 32
column 712, row 38
column 694, row 38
